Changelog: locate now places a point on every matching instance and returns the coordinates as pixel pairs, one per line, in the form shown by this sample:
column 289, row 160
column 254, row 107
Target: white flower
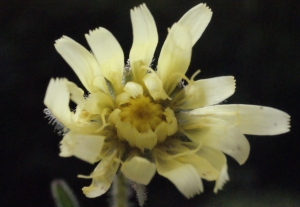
column 145, row 121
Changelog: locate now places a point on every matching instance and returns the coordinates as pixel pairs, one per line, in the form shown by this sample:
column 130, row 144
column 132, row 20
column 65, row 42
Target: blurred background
column 256, row 41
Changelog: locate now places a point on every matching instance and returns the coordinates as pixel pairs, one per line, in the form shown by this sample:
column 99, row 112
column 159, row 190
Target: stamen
column 194, row 75
column 104, row 123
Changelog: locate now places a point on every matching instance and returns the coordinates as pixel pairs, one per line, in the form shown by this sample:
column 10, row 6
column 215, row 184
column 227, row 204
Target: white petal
column 97, row 102
column 83, row 63
column 249, row 119
column 139, row 170
column 204, row 93
column 145, row 39
column 183, row 176
column 76, row 94
column 218, row 134
column 196, row 19
column 57, row 99
column 171, row 120
column 146, row 140
column 161, row 131
column 109, row 55
column 175, row 57
column 126, row 131
column 133, row 89
column 215, row 157
column 123, row 98
column 203, row 167
column 82, row 146
column 155, row 86
column 102, row 177
column 223, row 178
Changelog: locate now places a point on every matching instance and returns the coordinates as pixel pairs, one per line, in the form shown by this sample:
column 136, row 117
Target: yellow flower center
column 142, row 113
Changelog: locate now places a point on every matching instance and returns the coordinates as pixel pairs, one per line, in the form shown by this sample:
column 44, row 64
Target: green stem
column 119, row 191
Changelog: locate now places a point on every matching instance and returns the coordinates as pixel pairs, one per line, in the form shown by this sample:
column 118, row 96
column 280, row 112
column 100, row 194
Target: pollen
column 142, row 113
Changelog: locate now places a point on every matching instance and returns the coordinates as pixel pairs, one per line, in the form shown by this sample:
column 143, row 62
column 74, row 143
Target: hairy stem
column 119, row 192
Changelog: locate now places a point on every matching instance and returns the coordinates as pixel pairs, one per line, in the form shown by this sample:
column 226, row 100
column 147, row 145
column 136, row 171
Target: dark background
column 257, row 41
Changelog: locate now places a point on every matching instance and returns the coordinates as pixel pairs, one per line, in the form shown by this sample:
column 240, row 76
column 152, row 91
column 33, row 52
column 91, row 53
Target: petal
column 139, row 170
column 82, row 146
column 123, row 98
column 102, row 177
column 203, row 167
column 126, row 131
column 196, row 19
column 249, row 119
column 83, row 63
column 109, row 55
column 155, row 86
column 161, row 131
column 175, row 57
column 57, row 99
column 146, row 140
column 218, row 134
column 97, row 102
column 215, row 157
column 124, row 128
column 204, row 93
column 76, row 94
column 171, row 120
column 145, row 39
column 184, row 176
column 167, row 127
column 133, row 89
column 223, row 178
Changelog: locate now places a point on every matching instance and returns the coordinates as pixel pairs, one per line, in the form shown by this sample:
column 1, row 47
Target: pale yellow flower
column 142, row 121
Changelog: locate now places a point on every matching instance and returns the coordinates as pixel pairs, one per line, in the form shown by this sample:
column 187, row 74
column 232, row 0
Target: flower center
column 142, row 113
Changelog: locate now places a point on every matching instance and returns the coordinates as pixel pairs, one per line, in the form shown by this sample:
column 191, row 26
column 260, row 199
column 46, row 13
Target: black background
column 256, row 41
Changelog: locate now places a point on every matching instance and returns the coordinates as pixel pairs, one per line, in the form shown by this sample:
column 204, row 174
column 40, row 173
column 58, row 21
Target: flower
column 141, row 121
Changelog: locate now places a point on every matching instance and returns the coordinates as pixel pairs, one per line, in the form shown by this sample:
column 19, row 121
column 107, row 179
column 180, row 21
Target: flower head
column 140, row 121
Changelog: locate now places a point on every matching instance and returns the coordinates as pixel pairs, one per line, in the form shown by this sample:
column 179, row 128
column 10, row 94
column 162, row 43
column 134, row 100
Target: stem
column 119, row 191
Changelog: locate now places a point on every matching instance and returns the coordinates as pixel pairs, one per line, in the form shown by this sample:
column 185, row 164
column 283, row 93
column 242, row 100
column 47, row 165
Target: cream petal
column 203, row 167
column 184, row 176
column 249, row 119
column 133, row 89
column 123, row 98
column 115, row 120
column 57, row 99
column 155, row 86
column 196, row 19
column 83, row 63
column 82, row 146
column 126, row 131
column 145, row 39
column 76, row 94
column 171, row 120
column 175, row 57
column 204, row 93
column 139, row 170
column 97, row 102
column 218, row 134
column 102, row 177
column 215, row 157
column 167, row 127
column 161, row 131
column 129, row 133
column 223, row 178
column 146, row 140
column 109, row 55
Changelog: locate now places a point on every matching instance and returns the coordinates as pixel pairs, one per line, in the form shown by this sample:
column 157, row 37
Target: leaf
column 62, row 194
